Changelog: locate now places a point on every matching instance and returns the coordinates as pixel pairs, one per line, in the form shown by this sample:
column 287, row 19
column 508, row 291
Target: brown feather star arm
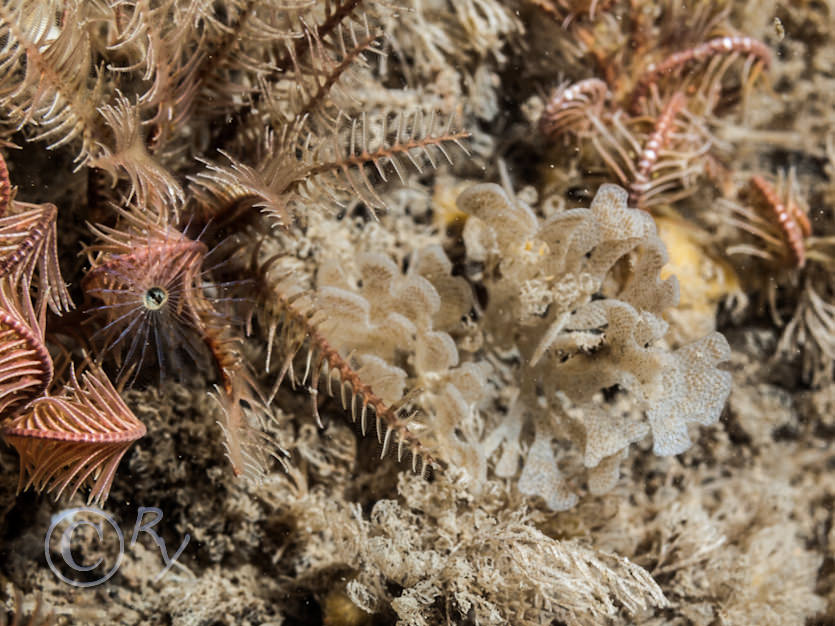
column 75, row 439
column 28, row 243
column 25, row 365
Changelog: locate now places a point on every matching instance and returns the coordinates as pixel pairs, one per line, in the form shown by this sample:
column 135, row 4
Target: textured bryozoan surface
column 574, row 306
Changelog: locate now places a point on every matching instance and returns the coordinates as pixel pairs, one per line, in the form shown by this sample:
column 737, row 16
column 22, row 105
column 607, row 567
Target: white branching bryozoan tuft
column 577, row 300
